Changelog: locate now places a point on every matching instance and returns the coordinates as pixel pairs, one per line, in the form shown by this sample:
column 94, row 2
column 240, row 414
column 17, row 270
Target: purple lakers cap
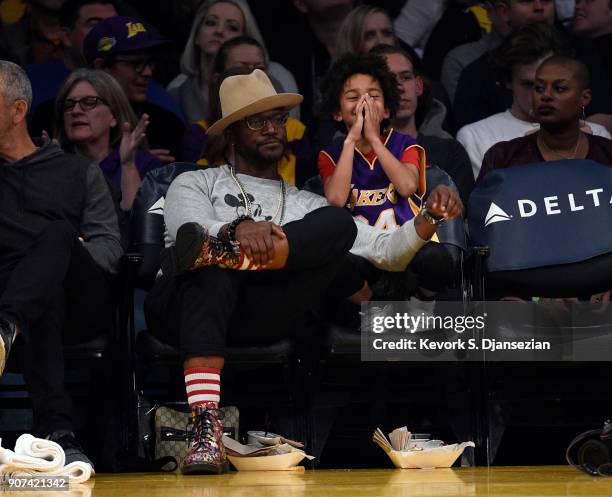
column 120, row 34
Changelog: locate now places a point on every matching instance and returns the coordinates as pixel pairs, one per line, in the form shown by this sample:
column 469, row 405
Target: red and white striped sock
column 203, row 386
column 246, row 264
column 242, row 264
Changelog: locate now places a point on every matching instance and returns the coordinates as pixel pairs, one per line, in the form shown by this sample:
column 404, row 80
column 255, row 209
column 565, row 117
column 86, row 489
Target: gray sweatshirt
column 212, row 198
column 50, row 185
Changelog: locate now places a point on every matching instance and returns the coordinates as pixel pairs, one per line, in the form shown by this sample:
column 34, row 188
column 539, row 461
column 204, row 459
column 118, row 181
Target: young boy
column 379, row 174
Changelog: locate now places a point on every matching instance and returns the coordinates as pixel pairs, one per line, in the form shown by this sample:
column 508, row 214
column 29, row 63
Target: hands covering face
column 372, row 119
column 367, row 120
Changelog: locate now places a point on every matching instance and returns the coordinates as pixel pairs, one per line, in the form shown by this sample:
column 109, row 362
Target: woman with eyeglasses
column 93, row 118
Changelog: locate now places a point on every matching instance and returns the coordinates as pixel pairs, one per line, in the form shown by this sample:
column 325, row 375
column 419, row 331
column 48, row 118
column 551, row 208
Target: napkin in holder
column 406, row 453
column 284, row 455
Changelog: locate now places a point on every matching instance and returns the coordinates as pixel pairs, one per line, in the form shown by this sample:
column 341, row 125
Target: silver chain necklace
column 541, row 141
column 249, row 211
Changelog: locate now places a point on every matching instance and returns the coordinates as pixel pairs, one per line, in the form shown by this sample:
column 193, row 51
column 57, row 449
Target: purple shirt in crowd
column 111, row 165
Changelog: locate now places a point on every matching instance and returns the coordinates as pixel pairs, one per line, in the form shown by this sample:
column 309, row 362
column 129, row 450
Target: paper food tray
column 440, row 457
column 279, row 462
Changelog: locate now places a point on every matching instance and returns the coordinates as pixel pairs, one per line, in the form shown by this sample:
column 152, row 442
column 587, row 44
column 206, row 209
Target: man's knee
column 344, row 223
column 341, row 225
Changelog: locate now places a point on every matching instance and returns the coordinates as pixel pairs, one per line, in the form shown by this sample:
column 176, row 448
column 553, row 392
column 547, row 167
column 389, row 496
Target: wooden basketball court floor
column 497, row 481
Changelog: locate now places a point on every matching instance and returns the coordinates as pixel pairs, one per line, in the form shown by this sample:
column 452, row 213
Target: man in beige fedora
column 250, row 257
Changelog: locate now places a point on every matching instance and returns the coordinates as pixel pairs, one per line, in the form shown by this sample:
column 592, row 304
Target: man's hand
column 445, row 202
column 163, row 155
column 47, row 137
column 257, row 240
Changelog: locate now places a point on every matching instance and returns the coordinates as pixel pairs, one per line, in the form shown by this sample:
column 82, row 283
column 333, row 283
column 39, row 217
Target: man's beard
column 258, row 159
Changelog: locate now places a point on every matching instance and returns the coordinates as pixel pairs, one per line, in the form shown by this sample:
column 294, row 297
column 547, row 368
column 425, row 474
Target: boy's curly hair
column 349, row 65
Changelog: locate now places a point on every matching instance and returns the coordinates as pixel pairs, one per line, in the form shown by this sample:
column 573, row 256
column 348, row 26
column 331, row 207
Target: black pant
column 55, row 293
column 205, row 310
column 434, row 268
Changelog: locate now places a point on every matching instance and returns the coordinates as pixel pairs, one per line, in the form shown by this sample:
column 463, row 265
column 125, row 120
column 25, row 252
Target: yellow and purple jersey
column 373, row 197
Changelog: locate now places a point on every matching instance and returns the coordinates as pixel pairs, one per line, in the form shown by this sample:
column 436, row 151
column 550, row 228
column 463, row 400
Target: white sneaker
column 370, row 317
column 424, row 309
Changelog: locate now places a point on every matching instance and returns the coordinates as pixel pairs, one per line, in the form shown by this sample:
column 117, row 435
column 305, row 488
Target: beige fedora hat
column 245, row 95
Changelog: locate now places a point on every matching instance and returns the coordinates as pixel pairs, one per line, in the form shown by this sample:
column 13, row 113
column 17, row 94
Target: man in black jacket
column 59, row 250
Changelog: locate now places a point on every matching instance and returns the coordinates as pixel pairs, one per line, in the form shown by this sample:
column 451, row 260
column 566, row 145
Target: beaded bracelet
column 231, row 230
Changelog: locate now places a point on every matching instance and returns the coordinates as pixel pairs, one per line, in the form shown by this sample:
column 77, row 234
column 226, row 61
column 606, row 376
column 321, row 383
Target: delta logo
column 158, row 207
column 496, row 214
column 550, row 206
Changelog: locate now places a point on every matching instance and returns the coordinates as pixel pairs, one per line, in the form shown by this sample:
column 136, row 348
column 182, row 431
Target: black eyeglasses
column 86, row 103
column 138, row 64
column 257, row 123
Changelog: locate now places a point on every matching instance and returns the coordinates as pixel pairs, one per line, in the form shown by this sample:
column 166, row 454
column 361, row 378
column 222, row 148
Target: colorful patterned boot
column 195, row 248
column 206, row 453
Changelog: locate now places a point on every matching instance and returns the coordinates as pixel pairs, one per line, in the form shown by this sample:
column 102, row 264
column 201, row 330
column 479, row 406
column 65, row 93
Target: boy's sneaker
column 373, row 315
column 422, row 310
